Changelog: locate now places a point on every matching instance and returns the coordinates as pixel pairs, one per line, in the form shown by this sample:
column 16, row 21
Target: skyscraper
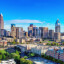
column 1, row 22
column 44, row 32
column 57, row 26
column 16, row 32
column 57, row 36
column 13, row 31
column 30, row 30
column 51, row 34
column 36, row 32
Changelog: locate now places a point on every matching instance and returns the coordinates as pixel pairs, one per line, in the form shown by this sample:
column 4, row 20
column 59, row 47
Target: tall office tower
column 16, row 32
column 36, row 32
column 19, row 32
column 8, row 33
column 1, row 22
column 30, row 30
column 13, row 31
column 57, row 26
column 44, row 32
column 57, row 36
column 2, row 32
column 51, row 34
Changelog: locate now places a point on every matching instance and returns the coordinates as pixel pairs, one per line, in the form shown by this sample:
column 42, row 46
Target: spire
column 57, row 22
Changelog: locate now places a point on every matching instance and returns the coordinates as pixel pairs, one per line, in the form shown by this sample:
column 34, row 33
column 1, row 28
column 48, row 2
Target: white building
column 10, row 61
column 39, row 49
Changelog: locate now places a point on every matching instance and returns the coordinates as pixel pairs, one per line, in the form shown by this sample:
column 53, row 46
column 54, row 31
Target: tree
column 3, row 57
column 63, row 43
column 14, row 42
column 0, row 57
column 25, row 57
column 24, row 61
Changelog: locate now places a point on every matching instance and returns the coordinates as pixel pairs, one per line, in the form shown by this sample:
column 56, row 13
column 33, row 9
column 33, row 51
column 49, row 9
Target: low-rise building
column 22, row 48
column 3, row 42
column 39, row 50
column 17, row 40
column 10, row 61
column 22, row 40
column 56, row 53
column 9, row 39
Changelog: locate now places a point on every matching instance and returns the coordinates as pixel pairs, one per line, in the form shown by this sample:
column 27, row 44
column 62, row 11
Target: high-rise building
column 26, row 34
column 57, row 26
column 2, row 32
column 51, row 34
column 36, row 32
column 19, row 32
column 31, row 25
column 1, row 22
column 16, row 32
column 13, row 25
column 57, row 36
column 30, row 30
column 44, row 32
column 8, row 33
column 13, row 31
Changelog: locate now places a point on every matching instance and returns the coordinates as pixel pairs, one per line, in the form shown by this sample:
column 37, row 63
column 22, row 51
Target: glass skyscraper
column 57, row 26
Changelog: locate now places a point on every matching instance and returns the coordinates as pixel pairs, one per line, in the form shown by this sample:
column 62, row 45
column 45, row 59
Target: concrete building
column 22, row 40
column 26, row 34
column 39, row 50
column 57, row 36
column 9, row 39
column 30, row 31
column 56, row 53
column 44, row 32
column 22, row 48
column 16, row 32
column 13, row 31
column 36, row 32
column 57, row 26
column 8, row 33
column 19, row 32
column 1, row 22
column 51, row 34
column 10, row 61
column 3, row 42
column 62, row 37
column 62, row 34
column 2, row 32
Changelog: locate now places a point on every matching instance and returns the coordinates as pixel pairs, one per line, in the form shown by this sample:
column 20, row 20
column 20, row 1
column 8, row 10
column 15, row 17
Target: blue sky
column 39, row 12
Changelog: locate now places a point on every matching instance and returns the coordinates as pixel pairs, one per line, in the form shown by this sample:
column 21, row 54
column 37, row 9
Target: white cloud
column 24, row 21
column 7, row 26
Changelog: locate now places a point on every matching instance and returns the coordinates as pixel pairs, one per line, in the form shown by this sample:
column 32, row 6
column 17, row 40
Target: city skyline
column 41, row 13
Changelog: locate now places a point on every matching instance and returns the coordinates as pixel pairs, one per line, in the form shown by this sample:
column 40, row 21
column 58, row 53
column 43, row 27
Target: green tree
column 14, row 42
column 25, row 57
column 0, row 57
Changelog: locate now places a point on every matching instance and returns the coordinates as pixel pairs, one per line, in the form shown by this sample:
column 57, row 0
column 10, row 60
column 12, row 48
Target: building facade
column 57, row 26
column 57, row 36
column 44, row 32
column 1, row 22
column 51, row 34
column 36, row 32
column 13, row 31
column 16, row 32
column 30, row 31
